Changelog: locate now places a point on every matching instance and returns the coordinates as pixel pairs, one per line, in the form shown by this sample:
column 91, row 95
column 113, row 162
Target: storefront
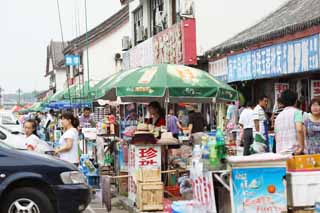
column 272, row 69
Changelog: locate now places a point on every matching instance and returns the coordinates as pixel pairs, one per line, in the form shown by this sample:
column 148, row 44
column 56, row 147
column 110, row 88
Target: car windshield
column 8, row 119
column 10, row 130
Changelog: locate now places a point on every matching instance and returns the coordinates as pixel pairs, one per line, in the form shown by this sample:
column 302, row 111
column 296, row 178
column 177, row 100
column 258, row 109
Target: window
column 157, row 7
column 176, row 11
column 138, row 24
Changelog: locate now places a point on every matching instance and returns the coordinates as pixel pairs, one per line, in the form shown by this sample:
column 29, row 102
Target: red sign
column 177, row 44
column 315, row 88
column 147, row 156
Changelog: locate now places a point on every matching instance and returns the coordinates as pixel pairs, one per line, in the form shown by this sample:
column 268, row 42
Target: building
column 104, row 47
column 161, row 31
column 55, row 69
column 281, row 51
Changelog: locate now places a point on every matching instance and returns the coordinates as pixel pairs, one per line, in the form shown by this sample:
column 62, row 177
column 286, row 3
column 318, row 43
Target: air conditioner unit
column 125, row 43
column 140, row 34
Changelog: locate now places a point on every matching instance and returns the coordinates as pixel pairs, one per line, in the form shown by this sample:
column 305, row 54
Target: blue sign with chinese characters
column 72, row 60
column 286, row 58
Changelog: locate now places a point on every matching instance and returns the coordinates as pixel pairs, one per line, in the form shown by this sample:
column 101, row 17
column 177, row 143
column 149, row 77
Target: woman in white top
column 68, row 144
column 32, row 139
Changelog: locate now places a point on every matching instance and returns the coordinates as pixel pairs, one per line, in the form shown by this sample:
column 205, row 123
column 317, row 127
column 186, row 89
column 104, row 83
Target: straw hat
column 167, row 137
column 142, row 129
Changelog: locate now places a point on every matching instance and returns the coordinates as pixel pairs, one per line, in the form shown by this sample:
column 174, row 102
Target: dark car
column 31, row 182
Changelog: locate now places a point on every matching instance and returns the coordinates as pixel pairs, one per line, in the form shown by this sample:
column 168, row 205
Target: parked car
column 37, row 183
column 8, row 119
column 17, row 140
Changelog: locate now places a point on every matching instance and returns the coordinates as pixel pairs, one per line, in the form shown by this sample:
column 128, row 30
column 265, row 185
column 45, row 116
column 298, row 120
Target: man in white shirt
column 246, row 122
column 260, row 119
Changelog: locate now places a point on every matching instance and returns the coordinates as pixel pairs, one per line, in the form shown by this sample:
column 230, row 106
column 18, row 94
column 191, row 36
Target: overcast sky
column 27, row 26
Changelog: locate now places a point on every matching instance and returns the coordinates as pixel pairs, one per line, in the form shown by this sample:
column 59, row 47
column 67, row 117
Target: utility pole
column 19, row 96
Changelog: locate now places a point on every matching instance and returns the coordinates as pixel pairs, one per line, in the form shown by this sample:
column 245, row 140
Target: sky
column 27, row 26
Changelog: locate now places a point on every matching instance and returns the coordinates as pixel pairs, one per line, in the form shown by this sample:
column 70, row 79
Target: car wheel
column 27, row 200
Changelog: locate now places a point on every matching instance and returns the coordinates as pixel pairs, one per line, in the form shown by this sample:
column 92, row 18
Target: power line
column 61, row 31
column 87, row 46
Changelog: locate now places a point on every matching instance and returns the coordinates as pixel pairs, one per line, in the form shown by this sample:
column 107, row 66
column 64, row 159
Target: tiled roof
column 101, row 30
column 294, row 16
column 55, row 53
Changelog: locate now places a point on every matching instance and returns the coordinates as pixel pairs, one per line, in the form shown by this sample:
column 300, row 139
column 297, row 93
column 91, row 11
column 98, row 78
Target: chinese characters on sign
column 315, row 89
column 175, row 45
column 141, row 156
column 203, row 191
column 289, row 57
column 168, row 46
column 239, row 67
column 219, row 69
column 72, row 60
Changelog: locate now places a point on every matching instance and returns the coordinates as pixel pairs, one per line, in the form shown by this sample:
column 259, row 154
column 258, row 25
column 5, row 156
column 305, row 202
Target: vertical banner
column 141, row 157
column 278, row 89
column 315, row 89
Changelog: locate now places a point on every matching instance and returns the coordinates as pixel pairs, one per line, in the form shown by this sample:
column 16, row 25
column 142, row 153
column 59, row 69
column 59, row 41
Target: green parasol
column 177, row 82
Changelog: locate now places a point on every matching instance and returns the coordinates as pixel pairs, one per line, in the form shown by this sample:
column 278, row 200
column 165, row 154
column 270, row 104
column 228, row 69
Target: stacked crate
column 149, row 190
column 145, row 189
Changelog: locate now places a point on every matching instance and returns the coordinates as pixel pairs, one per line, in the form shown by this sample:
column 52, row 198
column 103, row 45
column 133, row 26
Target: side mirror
column 17, row 122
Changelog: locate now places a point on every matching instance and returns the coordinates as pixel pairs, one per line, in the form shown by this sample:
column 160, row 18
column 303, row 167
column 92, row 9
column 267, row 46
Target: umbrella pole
column 166, row 103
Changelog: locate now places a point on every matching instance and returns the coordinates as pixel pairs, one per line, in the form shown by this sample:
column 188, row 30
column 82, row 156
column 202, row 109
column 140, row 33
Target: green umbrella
column 177, row 82
column 86, row 91
column 103, row 86
column 35, row 107
column 58, row 96
column 71, row 90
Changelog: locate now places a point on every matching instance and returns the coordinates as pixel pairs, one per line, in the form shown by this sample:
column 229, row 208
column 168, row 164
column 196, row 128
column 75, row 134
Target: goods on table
column 303, row 188
column 304, row 163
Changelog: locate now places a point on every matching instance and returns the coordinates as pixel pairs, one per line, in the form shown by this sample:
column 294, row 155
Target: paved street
column 97, row 207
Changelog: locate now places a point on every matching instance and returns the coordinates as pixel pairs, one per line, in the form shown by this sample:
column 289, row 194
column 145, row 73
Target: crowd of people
column 295, row 131
column 42, row 126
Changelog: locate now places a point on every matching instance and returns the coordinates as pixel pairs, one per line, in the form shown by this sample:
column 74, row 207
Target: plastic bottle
column 220, row 144
column 196, row 154
column 205, row 148
column 213, row 152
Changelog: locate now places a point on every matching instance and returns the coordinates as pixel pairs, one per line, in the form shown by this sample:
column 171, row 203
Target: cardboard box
column 149, row 175
column 150, row 196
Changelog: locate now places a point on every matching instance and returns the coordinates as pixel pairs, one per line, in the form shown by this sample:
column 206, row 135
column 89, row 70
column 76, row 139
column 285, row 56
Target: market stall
column 164, row 84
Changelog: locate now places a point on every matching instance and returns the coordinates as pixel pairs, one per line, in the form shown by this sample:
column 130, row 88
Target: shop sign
column 279, row 88
column 239, row 67
column 219, row 69
column 141, row 55
column 258, row 190
column 315, row 89
column 175, row 45
column 141, row 157
column 286, row 58
column 203, row 191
